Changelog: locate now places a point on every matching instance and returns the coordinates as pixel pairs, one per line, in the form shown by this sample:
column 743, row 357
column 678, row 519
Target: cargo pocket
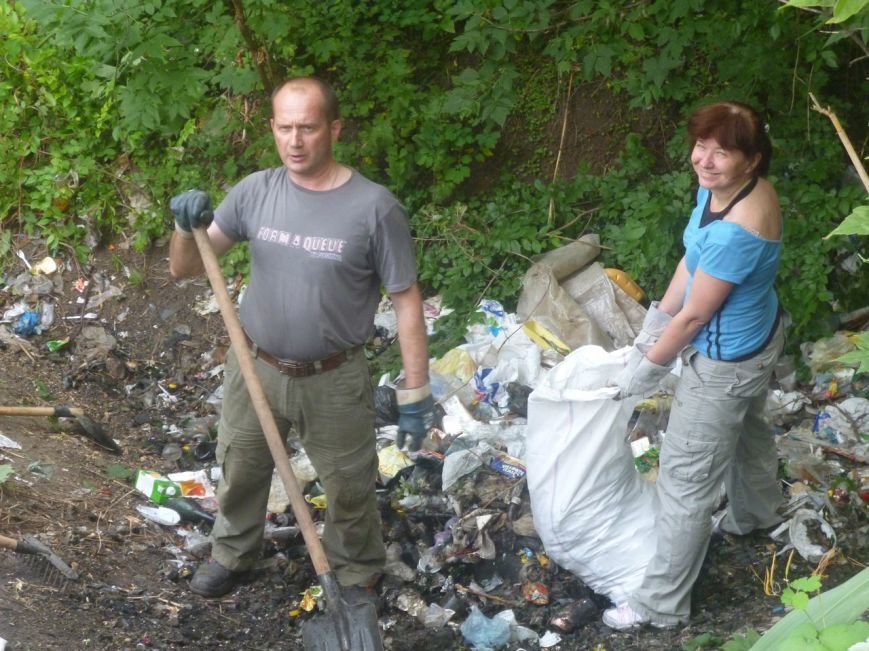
column 688, row 459
column 354, row 484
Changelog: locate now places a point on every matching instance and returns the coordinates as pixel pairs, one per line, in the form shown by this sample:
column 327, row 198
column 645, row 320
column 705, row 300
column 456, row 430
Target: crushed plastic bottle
column 46, row 315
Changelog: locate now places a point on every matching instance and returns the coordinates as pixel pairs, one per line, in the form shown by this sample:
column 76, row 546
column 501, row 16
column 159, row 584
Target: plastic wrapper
column 821, row 355
column 385, row 406
column 27, row 324
column 482, row 632
column 842, row 422
column 391, row 461
column 457, row 363
column 571, row 297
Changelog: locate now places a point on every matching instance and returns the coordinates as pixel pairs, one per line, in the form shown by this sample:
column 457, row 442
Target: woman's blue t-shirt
column 725, row 250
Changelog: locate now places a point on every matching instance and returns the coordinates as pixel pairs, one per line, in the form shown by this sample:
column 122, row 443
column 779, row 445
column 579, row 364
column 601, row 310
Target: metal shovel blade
column 327, row 631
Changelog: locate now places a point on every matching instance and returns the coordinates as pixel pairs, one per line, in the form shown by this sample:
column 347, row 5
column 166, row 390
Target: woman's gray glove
column 641, row 378
column 192, row 209
column 653, row 326
column 415, row 415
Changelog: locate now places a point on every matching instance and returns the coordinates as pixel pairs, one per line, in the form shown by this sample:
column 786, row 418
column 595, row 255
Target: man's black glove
column 415, row 415
column 192, row 209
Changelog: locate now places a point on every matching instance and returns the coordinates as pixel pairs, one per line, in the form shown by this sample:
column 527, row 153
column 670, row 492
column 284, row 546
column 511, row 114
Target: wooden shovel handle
column 66, row 412
column 260, row 402
column 8, row 543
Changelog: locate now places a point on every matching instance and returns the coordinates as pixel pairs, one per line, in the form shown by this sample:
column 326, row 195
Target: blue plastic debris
column 484, row 633
column 26, row 324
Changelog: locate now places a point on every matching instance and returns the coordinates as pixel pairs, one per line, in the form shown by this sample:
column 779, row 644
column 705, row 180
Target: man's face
column 303, row 134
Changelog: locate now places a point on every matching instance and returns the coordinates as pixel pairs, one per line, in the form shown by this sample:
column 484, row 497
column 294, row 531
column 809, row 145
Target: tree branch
column 852, row 154
column 258, row 52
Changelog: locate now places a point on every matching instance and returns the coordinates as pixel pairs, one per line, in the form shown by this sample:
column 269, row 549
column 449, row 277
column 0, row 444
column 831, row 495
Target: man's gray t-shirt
column 318, row 260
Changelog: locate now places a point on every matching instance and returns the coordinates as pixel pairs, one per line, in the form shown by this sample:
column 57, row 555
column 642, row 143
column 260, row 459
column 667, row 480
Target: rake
column 32, row 546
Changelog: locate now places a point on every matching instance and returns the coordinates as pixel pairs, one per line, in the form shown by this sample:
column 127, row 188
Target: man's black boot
column 213, row 580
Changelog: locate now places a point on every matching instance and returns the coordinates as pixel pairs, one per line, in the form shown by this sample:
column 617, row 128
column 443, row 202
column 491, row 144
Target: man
column 323, row 239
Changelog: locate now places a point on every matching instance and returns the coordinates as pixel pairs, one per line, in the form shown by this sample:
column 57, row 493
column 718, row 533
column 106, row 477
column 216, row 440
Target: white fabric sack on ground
column 593, row 511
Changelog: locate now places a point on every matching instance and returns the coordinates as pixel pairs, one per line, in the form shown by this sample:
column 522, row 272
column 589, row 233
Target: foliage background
column 112, row 106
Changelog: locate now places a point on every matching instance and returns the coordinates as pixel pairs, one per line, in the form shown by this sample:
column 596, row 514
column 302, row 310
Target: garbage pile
column 462, row 535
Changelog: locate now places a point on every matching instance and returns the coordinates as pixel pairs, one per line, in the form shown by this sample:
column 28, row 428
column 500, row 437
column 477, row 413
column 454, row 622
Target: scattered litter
column 811, row 535
column 507, row 439
column 6, row 442
column 549, row 640
column 843, row 421
column 159, row 514
column 484, row 632
column 45, row 266
column 155, row 487
column 193, row 483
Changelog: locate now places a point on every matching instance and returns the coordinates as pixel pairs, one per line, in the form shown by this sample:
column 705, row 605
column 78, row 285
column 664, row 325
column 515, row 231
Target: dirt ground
column 133, row 592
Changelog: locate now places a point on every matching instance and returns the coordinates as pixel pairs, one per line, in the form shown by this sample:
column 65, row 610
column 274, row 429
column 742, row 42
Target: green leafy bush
column 112, row 106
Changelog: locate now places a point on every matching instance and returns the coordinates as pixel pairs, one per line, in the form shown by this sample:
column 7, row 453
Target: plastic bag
column 821, row 355
column 593, row 290
column 593, row 511
column 483, row 633
column 385, row 406
column 571, row 298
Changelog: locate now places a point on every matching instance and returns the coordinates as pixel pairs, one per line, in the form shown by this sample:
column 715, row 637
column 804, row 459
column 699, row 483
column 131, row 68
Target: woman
column 722, row 316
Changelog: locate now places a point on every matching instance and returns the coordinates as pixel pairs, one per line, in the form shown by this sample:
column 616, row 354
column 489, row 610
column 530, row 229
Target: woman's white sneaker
column 624, row 617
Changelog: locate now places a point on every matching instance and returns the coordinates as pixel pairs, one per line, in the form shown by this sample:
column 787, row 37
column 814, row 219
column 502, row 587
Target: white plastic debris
column 781, row 403
column 436, row 616
column 207, row 305
column 45, row 266
column 800, row 537
column 6, row 442
column 160, row 515
column 845, row 420
column 549, row 640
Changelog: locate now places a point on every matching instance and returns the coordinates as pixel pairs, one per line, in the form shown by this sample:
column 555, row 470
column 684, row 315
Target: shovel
column 343, row 626
column 93, row 429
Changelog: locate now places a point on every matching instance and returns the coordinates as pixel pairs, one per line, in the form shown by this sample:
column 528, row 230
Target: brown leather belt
column 300, row 369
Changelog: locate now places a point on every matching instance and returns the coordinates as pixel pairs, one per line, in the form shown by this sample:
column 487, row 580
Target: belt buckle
column 295, row 369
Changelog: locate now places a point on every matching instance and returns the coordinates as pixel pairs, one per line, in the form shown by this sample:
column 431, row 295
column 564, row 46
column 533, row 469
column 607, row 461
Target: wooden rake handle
column 260, row 403
column 61, row 411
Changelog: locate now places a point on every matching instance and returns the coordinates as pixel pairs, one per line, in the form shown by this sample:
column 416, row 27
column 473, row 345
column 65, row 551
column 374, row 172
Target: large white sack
column 593, row 511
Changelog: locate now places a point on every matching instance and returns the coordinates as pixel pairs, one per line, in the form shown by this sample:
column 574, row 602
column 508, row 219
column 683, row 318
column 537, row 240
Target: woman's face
column 719, row 169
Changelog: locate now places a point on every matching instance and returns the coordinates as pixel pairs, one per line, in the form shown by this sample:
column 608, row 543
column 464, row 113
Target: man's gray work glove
column 415, row 415
column 641, row 379
column 192, row 209
column 653, row 326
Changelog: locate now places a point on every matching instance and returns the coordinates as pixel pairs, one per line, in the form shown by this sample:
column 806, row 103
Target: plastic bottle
column 172, row 452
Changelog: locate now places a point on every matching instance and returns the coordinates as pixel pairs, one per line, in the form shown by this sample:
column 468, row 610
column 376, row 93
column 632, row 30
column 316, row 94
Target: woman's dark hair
column 735, row 126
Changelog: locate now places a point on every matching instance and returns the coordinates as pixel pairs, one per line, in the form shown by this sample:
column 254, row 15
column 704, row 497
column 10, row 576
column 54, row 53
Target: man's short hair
column 330, row 99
